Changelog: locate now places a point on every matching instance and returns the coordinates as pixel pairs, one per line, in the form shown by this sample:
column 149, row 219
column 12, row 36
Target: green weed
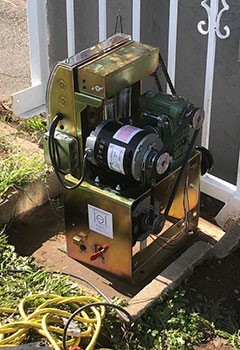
column 35, row 124
column 18, row 167
column 17, row 170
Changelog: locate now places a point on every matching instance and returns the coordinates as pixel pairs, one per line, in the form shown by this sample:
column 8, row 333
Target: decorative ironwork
column 214, row 18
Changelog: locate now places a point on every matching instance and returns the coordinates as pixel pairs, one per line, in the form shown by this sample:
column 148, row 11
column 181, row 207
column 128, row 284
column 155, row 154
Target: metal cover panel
column 121, row 68
column 82, row 237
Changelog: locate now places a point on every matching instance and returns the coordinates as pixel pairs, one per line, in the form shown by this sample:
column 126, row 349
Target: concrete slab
column 210, row 232
column 229, row 242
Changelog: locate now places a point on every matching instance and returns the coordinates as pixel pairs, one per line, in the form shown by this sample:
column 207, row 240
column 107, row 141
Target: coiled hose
column 53, row 320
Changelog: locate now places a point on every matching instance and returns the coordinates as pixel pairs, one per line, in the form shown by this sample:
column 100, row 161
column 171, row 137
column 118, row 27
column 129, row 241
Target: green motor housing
column 172, row 117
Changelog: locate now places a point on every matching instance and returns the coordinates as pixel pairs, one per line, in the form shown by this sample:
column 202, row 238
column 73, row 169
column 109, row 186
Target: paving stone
column 229, row 242
column 186, row 263
column 170, row 278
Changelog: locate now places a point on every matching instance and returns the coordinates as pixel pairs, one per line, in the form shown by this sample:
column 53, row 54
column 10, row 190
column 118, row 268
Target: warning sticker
column 126, row 133
column 100, row 221
column 115, row 156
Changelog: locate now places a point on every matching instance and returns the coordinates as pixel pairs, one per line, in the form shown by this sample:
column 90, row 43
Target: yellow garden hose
column 49, row 318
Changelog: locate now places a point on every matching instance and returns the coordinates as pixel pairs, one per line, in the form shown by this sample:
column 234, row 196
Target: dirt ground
column 217, row 343
column 215, row 288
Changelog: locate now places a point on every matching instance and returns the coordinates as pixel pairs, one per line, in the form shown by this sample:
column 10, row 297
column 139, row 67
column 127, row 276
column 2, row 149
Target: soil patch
column 214, row 290
column 217, row 343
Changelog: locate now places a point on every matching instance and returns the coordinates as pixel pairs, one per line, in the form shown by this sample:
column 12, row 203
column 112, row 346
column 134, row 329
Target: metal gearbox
column 125, row 157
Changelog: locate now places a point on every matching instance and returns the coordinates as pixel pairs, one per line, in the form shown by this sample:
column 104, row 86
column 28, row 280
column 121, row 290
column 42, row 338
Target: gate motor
column 125, row 158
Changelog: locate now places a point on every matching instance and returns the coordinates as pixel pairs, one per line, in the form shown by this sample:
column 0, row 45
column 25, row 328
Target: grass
column 17, row 170
column 35, row 127
column 18, row 167
column 13, row 287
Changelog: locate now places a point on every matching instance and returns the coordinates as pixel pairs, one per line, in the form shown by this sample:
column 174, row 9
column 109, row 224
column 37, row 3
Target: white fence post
column 32, row 100
column 213, row 30
column 136, row 19
column 70, row 27
column 172, row 41
column 102, row 20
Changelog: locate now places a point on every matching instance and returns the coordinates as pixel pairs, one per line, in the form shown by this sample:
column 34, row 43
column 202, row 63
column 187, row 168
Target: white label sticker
column 100, row 221
column 115, row 156
column 126, row 133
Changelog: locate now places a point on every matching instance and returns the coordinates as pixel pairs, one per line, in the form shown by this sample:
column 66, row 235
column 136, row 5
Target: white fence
column 32, row 100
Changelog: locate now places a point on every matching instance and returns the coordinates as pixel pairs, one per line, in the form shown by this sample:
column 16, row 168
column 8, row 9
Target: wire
column 52, row 144
column 118, row 20
column 81, row 309
column 53, row 151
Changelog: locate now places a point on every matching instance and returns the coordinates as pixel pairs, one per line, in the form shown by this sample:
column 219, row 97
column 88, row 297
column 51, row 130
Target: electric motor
column 126, row 149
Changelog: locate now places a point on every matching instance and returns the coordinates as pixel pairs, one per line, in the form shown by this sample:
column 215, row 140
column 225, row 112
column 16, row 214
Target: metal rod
column 70, row 27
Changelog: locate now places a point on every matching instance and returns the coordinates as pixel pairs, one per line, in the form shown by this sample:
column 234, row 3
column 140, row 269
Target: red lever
column 98, row 253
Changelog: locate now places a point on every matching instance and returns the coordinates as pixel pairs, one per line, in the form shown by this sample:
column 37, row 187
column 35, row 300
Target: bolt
column 62, row 100
column 61, row 84
column 97, row 180
column 118, row 188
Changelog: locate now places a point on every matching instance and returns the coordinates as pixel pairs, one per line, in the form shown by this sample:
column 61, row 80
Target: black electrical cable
column 110, row 305
column 96, row 289
column 53, row 152
column 52, row 144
